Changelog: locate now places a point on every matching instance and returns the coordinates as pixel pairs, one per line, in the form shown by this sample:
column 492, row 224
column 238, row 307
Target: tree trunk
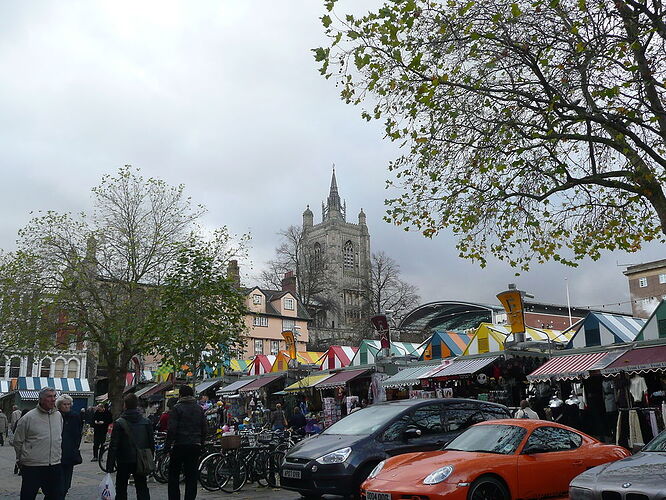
column 117, row 380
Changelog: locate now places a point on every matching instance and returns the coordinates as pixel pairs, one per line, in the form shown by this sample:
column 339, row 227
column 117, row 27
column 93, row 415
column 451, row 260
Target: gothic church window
column 348, row 255
column 317, row 254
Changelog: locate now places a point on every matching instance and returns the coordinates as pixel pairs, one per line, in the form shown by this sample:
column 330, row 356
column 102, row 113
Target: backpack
column 145, row 465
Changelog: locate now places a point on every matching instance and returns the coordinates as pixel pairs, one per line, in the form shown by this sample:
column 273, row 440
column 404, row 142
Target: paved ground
column 88, row 475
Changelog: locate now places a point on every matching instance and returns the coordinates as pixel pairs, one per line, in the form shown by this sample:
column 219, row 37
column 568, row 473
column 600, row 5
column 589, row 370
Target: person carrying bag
column 131, row 450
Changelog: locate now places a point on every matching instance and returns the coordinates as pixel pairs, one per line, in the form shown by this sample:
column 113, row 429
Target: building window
column 45, row 371
column 275, row 347
column 662, row 279
column 258, row 346
column 317, row 255
column 14, row 368
column 72, row 369
column 59, row 371
column 289, row 304
column 348, row 255
column 642, row 282
column 256, row 299
column 260, row 321
column 289, row 324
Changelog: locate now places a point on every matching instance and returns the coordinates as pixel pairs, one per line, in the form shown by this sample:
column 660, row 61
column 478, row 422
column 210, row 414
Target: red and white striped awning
column 569, row 367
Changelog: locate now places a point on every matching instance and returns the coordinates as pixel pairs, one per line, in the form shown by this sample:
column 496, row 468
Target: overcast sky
column 224, row 97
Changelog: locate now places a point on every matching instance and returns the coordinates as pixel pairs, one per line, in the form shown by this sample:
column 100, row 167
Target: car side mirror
column 411, row 434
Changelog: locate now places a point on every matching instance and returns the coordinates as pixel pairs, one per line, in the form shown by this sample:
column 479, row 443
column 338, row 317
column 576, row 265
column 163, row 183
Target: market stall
column 493, row 338
column 338, row 356
column 369, row 349
column 302, row 358
column 341, row 392
column 655, row 327
column 603, row 329
column 263, row 363
column 240, row 365
column 407, row 382
column 444, row 344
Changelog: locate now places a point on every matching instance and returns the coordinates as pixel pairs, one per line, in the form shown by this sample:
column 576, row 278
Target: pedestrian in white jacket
column 38, row 446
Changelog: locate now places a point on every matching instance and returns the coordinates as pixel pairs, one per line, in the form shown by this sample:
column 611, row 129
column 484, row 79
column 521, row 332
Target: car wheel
column 488, row 488
column 360, row 476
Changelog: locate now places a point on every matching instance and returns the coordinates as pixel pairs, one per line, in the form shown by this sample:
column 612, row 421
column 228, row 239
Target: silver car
column 639, row 477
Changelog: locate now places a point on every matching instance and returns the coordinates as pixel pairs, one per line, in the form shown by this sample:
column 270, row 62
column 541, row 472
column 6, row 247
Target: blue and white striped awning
column 59, row 384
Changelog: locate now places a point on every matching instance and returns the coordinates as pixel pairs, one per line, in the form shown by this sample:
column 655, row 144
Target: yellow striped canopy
column 305, row 358
column 309, row 381
column 491, row 338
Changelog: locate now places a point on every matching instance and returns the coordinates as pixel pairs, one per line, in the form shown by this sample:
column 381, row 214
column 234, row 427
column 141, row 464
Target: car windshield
column 366, row 421
column 494, row 438
column 657, row 444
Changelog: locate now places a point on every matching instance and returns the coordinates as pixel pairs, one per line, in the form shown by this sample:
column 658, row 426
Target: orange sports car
column 494, row 460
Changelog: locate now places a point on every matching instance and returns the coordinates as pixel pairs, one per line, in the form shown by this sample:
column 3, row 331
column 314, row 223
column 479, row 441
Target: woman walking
column 72, row 426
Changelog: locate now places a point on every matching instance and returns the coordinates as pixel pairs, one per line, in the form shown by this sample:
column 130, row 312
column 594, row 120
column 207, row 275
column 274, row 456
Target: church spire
column 334, row 208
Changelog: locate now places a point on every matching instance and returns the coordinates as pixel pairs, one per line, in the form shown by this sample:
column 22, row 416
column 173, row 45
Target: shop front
column 638, row 379
column 342, row 392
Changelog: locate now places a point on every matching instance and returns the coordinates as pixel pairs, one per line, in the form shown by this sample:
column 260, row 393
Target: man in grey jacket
column 38, row 441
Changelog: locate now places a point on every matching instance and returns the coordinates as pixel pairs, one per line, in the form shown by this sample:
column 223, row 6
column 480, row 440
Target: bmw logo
column 626, row 485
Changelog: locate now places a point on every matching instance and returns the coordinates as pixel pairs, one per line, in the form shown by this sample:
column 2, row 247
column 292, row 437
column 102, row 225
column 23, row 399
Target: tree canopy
column 100, row 275
column 533, row 129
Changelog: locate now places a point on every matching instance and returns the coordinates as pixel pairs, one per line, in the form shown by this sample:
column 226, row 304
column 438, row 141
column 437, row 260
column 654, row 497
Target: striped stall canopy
column 445, row 345
column 655, row 327
column 569, row 367
column 367, row 351
column 338, row 356
column 263, row 363
column 463, row 366
column 306, row 382
column 59, row 384
column 304, row 358
column 240, row 365
column 491, row 338
column 598, row 329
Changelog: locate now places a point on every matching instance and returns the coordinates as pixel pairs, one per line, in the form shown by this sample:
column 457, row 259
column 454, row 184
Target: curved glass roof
column 449, row 315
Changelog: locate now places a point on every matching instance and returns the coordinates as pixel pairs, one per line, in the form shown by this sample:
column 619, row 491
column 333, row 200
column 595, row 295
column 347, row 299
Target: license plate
column 376, row 495
column 293, row 474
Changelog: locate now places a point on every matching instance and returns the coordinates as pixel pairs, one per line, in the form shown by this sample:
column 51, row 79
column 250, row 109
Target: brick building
column 647, row 286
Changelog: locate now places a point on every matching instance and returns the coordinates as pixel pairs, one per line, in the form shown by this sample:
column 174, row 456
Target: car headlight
column 335, row 457
column 578, row 493
column 378, row 468
column 439, row 475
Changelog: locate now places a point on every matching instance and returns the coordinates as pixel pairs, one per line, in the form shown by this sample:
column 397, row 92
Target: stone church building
column 343, row 248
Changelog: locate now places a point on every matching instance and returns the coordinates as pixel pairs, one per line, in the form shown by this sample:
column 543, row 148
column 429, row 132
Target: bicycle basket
column 230, row 442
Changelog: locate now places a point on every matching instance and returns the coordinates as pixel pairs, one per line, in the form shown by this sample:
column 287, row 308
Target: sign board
column 512, row 300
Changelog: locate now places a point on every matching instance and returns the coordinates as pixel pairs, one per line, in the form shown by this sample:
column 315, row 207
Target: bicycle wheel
column 207, row 469
column 260, row 469
column 160, row 471
column 231, row 474
column 273, row 463
column 103, row 452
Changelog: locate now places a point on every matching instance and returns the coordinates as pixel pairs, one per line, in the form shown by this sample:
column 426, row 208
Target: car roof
column 529, row 424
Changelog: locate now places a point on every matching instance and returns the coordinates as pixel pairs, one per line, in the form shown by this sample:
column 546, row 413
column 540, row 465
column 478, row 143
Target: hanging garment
column 608, row 389
column 637, row 388
column 663, row 413
column 653, row 423
column 635, row 434
column 578, row 390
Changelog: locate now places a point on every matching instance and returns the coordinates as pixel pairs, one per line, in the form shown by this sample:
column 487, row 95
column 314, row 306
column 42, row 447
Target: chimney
column 289, row 282
column 233, row 272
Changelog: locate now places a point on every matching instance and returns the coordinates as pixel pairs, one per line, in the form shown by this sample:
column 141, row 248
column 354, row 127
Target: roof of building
column 646, row 266
column 301, row 310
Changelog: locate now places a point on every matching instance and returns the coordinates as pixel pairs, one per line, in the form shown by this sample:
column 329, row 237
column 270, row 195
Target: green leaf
column 515, row 10
column 326, row 21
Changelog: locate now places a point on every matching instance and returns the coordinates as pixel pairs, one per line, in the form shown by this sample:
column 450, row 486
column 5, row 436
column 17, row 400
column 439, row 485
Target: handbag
column 145, row 465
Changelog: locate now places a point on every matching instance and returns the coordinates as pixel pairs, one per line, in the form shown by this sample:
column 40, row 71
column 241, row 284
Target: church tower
column 343, row 249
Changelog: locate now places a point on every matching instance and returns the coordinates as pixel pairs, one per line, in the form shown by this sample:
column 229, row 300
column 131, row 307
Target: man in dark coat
column 122, row 449
column 186, row 434
column 101, row 420
column 71, row 439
